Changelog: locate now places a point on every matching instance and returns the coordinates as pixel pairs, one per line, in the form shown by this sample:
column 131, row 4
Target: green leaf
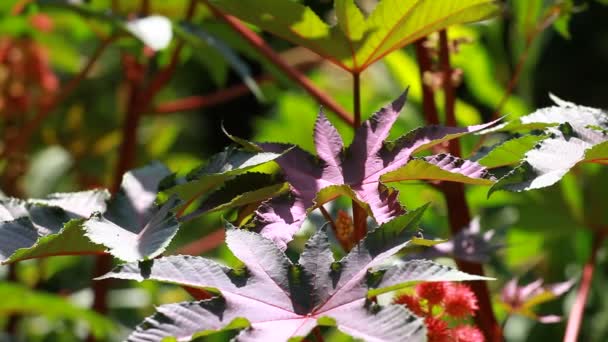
column 357, row 42
column 510, row 152
column 220, row 168
column 332, row 192
column 19, row 299
column 396, row 23
column 350, row 19
column 70, row 240
column 456, row 170
column 200, row 39
column 292, row 21
column 243, row 189
column 597, row 154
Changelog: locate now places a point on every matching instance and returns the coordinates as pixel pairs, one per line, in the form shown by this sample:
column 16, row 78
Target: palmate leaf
column 523, row 299
column 359, row 170
column 220, row 168
column 576, row 134
column 357, row 42
column 244, row 189
column 132, row 228
column 280, row 299
column 25, row 222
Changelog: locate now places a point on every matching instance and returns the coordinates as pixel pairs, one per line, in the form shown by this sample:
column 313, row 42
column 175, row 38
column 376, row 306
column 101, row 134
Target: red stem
column 428, row 98
column 208, row 100
column 139, row 101
column 259, row 44
column 357, row 99
column 220, row 96
column 458, row 210
column 458, row 218
column 359, row 214
column 576, row 314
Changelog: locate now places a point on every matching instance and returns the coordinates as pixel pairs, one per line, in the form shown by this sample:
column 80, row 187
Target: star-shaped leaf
column 131, row 228
column 357, row 41
column 361, row 170
column 575, row 134
column 282, row 300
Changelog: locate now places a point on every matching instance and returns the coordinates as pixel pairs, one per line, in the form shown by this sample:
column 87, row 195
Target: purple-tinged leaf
column 132, row 228
column 269, row 294
column 399, row 152
column 316, row 259
column 420, row 270
column 329, row 147
column 523, row 299
column 280, row 218
column 363, row 153
column 356, row 172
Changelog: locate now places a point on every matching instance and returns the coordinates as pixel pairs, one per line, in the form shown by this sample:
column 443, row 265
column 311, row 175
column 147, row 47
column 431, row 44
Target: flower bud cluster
column 445, row 307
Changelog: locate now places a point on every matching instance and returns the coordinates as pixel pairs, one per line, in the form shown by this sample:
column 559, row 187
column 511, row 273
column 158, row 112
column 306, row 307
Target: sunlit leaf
column 357, row 42
column 577, row 134
column 283, row 300
column 220, row 168
column 131, row 228
column 357, row 171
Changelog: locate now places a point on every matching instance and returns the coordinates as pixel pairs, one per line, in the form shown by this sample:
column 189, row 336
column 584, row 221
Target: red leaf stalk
column 259, row 44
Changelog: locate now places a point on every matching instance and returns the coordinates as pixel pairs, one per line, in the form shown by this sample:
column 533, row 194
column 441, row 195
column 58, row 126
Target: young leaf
column 132, row 228
column 577, row 135
column 358, row 171
column 357, row 42
column 270, row 294
column 522, row 299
